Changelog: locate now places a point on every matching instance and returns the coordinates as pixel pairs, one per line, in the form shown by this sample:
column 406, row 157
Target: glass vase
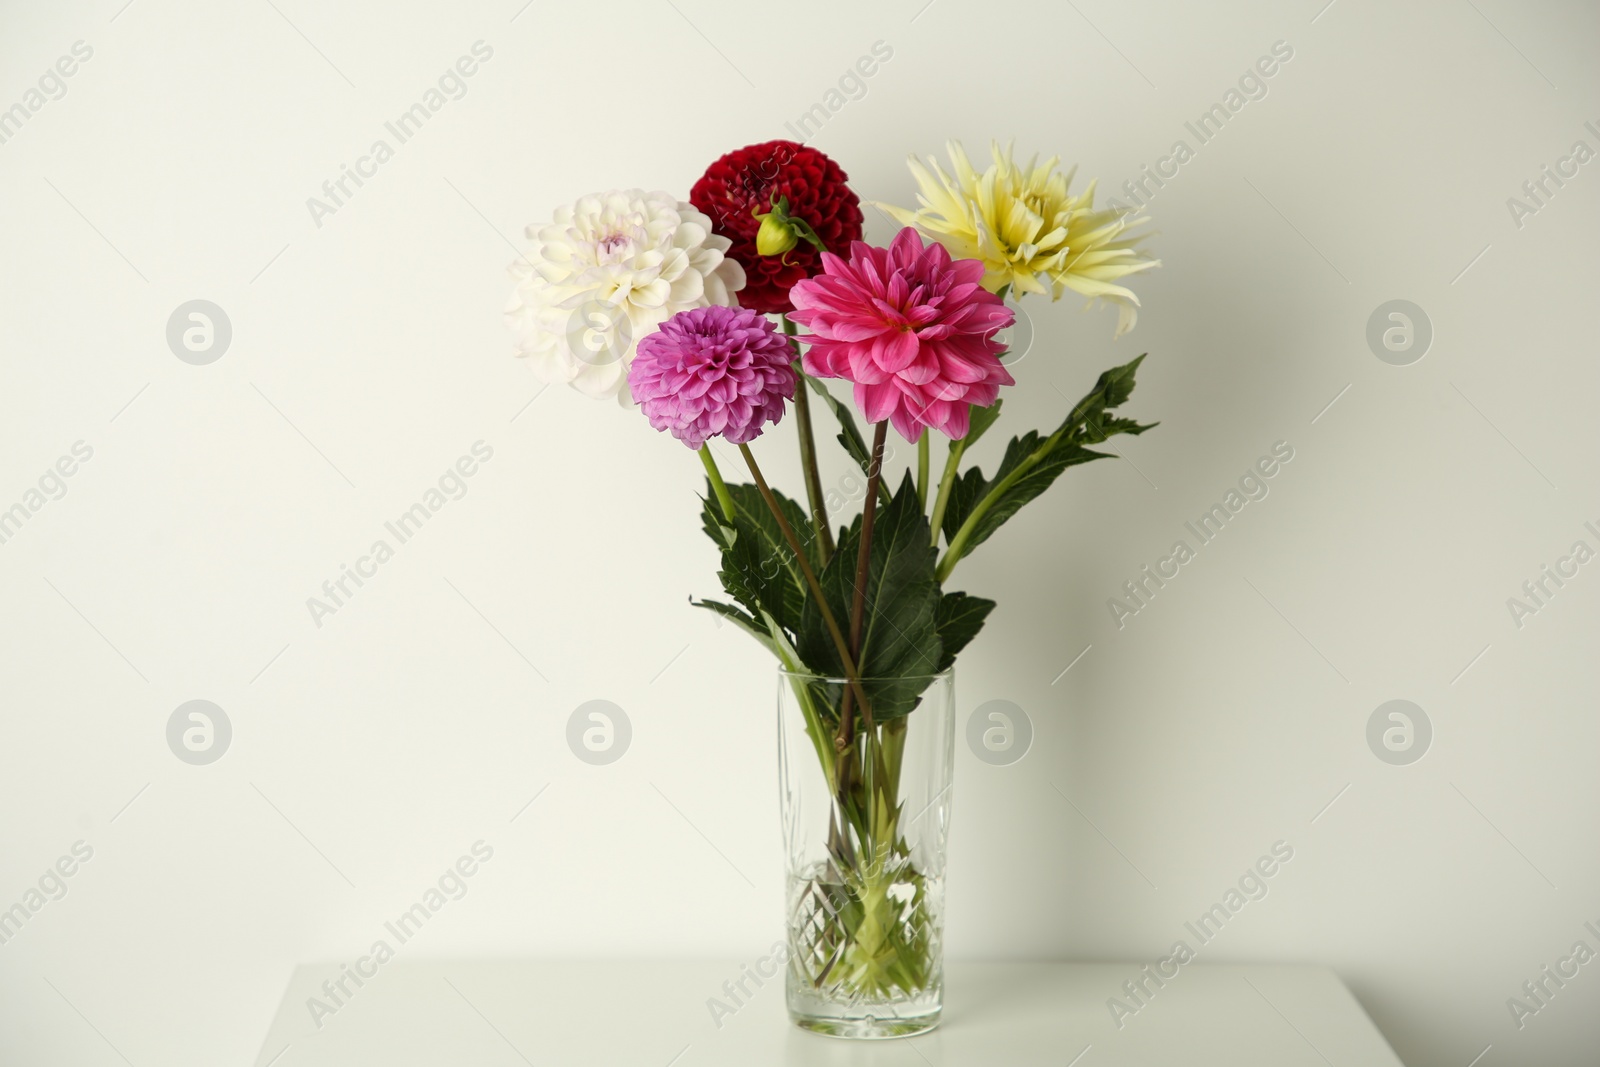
column 866, row 816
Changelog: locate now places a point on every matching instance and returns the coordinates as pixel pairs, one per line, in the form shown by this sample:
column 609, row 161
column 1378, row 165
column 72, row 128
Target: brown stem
column 828, row 620
column 858, row 605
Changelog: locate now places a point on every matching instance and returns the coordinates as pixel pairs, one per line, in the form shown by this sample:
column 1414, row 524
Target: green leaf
column 1039, row 477
column 781, row 645
column 758, row 567
column 1036, row 462
column 959, row 619
column 1095, row 432
column 979, row 420
column 745, row 622
column 1111, row 390
column 966, row 490
column 900, row 646
column 849, row 436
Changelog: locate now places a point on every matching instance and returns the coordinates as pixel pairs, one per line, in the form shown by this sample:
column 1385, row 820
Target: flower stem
column 808, row 453
column 951, row 470
column 958, row 544
column 922, row 469
column 942, row 502
column 828, row 620
column 869, row 511
column 864, row 555
column 717, row 484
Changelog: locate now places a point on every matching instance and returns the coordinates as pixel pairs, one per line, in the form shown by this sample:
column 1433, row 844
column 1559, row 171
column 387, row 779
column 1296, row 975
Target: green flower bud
column 776, row 235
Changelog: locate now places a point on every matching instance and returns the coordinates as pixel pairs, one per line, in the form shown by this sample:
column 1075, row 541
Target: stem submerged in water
column 863, row 928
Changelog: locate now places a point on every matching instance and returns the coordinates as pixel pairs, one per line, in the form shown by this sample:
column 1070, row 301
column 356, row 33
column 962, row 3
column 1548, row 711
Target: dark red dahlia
column 747, row 182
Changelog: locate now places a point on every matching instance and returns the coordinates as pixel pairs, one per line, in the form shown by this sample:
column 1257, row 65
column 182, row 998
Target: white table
column 513, row 1012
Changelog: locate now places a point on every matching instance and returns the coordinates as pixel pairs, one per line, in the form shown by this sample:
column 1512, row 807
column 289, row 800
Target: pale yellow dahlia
column 1029, row 231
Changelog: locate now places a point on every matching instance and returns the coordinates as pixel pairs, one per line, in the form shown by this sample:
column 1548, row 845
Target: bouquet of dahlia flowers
column 668, row 305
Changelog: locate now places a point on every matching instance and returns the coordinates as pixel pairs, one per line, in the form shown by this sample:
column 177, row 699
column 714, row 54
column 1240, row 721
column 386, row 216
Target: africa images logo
column 1140, row 591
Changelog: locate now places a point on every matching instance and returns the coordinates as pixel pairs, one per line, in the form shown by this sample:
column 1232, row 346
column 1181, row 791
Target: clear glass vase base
column 867, row 1027
column 865, row 827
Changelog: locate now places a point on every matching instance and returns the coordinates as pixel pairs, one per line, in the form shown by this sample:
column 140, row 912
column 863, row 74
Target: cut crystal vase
column 866, row 815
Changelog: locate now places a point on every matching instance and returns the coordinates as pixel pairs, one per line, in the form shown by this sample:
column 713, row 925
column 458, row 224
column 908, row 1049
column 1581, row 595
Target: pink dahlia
column 710, row 371
column 913, row 329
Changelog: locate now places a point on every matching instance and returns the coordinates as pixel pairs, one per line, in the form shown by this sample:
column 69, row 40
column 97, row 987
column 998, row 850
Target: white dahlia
column 607, row 271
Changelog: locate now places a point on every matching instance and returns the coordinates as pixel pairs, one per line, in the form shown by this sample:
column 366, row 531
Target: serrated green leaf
column 1038, row 478
column 979, row 420
column 959, row 619
column 1095, row 432
column 781, row 645
column 758, row 567
column 1111, row 390
column 900, row 646
column 1040, row 459
column 849, row 436
column 747, row 623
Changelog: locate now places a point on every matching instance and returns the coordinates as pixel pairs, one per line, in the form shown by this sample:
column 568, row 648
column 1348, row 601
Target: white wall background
column 368, row 354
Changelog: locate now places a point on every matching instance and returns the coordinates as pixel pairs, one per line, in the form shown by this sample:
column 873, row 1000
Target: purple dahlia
column 713, row 371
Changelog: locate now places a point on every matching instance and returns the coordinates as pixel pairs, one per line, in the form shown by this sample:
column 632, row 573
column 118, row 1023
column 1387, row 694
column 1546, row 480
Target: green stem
column 922, row 469
column 832, row 624
column 808, row 453
column 821, row 740
column 717, row 484
column 952, row 467
column 958, row 543
column 942, row 502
